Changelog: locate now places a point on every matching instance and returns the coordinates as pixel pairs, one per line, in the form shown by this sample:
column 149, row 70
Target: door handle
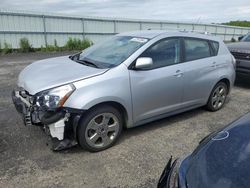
column 178, row 73
column 214, row 64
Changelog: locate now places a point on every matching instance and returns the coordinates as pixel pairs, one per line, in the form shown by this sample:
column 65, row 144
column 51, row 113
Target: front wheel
column 217, row 97
column 100, row 128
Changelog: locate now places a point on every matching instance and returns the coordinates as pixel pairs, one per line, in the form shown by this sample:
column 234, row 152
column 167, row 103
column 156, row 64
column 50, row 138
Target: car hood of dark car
column 223, row 159
column 239, row 46
column 53, row 72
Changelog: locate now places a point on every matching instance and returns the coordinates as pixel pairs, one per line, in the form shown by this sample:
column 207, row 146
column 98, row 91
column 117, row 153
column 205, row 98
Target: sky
column 197, row 11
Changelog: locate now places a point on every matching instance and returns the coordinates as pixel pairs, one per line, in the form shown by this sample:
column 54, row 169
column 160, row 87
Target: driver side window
column 164, row 52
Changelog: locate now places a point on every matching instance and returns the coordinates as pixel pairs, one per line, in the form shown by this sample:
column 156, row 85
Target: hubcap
column 219, row 97
column 102, row 130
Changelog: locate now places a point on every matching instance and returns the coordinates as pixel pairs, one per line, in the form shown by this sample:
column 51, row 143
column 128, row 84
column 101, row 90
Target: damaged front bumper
column 60, row 123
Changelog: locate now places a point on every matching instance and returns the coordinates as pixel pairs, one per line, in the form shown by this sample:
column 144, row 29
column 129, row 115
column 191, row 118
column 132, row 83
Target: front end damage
column 60, row 123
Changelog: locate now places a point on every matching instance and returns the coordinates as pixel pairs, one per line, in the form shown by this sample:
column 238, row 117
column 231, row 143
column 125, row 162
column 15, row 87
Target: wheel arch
column 224, row 80
column 227, row 82
column 116, row 105
column 121, row 108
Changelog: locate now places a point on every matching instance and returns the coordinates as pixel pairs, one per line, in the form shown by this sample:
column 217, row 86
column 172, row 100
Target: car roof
column 143, row 33
column 149, row 34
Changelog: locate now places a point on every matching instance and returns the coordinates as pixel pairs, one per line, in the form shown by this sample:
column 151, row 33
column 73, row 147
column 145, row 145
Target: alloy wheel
column 102, row 130
column 219, row 97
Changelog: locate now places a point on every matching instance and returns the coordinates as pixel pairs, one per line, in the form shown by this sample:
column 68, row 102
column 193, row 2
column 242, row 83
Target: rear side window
column 196, row 49
column 215, row 46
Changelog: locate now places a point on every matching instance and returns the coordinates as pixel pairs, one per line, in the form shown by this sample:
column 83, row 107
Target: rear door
column 200, row 71
column 159, row 89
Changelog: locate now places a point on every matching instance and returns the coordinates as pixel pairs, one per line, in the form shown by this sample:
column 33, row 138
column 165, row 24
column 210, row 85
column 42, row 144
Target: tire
column 217, row 97
column 100, row 128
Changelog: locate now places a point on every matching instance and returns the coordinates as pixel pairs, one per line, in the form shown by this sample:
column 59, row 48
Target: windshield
column 246, row 38
column 112, row 52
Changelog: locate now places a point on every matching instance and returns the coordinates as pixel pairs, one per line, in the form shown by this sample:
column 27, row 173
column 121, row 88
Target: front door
column 158, row 89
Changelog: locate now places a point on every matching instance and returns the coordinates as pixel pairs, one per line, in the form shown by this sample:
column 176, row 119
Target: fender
column 112, row 86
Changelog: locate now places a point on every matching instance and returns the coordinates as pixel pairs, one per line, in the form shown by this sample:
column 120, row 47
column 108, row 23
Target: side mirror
column 241, row 37
column 143, row 63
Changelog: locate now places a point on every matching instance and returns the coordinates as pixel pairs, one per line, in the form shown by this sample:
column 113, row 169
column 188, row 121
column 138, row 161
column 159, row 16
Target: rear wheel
column 217, row 97
column 100, row 128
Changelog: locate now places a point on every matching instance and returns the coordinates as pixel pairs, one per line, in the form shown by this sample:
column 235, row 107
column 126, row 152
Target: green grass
column 25, row 47
column 240, row 23
column 7, row 48
column 77, row 44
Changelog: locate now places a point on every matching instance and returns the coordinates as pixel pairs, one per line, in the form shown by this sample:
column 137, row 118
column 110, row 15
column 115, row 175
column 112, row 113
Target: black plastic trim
column 74, row 110
column 52, row 117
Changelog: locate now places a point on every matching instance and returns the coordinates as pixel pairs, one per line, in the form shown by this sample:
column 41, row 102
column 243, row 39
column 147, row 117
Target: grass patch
column 7, row 48
column 77, row 44
column 25, row 46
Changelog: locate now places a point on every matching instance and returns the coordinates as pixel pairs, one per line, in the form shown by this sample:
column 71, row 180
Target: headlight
column 55, row 97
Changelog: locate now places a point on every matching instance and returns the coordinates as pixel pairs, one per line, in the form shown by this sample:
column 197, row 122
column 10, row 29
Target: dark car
column 222, row 160
column 241, row 52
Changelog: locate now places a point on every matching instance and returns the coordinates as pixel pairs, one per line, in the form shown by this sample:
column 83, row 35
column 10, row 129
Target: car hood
column 239, row 46
column 222, row 157
column 49, row 73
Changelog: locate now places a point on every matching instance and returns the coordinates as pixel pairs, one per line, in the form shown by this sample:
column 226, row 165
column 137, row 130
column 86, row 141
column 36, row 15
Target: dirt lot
column 135, row 161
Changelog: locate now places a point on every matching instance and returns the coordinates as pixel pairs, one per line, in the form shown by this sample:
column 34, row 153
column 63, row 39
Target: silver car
column 126, row 81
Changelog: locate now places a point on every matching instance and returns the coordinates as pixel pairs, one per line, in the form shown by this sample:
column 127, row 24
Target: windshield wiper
column 88, row 63
column 72, row 57
column 84, row 61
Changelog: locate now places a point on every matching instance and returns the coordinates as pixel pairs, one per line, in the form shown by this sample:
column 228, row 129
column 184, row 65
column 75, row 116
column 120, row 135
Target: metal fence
column 44, row 29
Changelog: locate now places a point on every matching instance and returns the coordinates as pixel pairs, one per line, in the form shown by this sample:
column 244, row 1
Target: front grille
column 239, row 55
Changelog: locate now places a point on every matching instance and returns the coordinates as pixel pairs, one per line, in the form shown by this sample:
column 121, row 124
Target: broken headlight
column 54, row 98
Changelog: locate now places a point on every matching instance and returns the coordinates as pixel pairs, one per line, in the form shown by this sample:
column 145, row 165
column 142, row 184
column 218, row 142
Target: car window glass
column 215, row 46
column 114, row 51
column 196, row 49
column 246, row 38
column 164, row 53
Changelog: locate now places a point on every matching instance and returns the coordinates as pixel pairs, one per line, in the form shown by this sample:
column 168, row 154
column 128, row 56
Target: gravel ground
column 136, row 160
